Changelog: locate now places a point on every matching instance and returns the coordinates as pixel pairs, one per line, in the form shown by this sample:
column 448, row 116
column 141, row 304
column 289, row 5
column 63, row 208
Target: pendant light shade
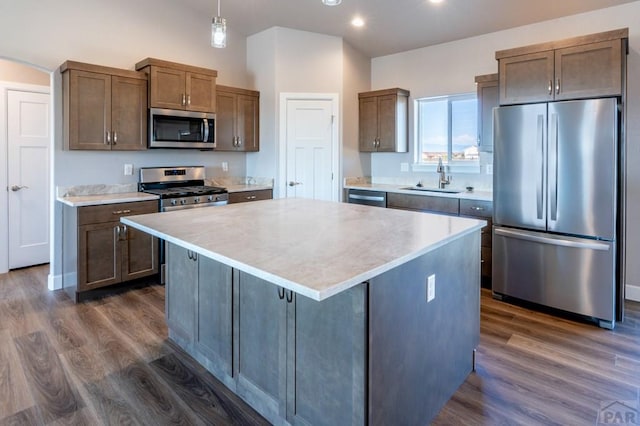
column 218, row 30
column 331, row 2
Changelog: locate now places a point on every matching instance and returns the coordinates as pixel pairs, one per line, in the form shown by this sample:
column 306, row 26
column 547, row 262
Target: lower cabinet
column 300, row 359
column 198, row 299
column 246, row 196
column 101, row 251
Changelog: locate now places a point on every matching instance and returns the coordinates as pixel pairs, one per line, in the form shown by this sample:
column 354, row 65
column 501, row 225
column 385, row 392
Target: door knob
column 292, row 183
column 15, row 188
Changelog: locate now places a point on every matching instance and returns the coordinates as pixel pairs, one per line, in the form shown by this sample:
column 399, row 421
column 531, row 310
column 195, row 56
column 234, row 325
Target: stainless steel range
column 181, row 187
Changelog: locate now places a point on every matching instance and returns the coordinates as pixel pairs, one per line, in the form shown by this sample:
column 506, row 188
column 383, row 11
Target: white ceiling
column 394, row 25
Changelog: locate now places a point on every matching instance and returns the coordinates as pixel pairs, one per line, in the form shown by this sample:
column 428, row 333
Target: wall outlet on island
column 489, row 169
column 404, row 167
column 128, row 169
column 431, row 287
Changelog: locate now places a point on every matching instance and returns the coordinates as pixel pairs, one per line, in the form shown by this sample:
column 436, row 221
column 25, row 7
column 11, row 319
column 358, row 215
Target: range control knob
column 173, row 202
column 183, row 201
column 210, row 198
column 196, row 200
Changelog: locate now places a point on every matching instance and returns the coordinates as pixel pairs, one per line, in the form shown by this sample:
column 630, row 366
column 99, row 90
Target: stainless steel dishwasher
column 368, row 198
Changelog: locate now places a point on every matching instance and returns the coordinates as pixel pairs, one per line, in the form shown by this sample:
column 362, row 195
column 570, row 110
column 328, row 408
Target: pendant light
column 218, row 30
column 331, row 2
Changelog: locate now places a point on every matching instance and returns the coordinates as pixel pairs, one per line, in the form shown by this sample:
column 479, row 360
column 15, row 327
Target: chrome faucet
column 444, row 179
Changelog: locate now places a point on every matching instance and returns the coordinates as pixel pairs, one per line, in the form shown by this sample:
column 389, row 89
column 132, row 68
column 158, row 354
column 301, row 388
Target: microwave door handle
column 205, row 125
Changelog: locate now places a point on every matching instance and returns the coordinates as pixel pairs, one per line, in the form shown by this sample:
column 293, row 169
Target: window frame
column 472, row 166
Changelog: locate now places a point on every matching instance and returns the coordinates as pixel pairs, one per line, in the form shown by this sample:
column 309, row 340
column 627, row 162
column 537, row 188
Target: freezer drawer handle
column 552, row 241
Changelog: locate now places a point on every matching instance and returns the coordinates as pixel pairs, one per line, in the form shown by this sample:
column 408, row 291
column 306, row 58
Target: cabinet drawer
column 423, row 203
column 476, row 208
column 485, row 237
column 113, row 212
column 245, row 196
column 485, row 268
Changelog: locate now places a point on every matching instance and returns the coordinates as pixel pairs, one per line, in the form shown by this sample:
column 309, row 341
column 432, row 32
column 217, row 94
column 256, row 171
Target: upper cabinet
column 237, row 119
column 487, row 92
column 178, row 86
column 103, row 108
column 576, row 68
column 384, row 120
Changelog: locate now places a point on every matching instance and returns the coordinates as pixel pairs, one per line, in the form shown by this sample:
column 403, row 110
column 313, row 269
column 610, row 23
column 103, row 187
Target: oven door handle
column 205, row 128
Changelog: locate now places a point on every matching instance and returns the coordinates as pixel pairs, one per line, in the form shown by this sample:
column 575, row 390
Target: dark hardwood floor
column 108, row 361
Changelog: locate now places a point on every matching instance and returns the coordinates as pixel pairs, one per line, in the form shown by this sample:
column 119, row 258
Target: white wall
column 117, row 33
column 451, row 67
column 286, row 60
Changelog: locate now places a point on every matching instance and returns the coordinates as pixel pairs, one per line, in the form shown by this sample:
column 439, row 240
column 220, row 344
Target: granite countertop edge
column 103, row 199
column 464, row 195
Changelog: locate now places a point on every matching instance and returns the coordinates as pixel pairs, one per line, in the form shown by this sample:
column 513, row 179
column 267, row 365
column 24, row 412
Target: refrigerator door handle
column 592, row 245
column 540, row 182
column 553, row 168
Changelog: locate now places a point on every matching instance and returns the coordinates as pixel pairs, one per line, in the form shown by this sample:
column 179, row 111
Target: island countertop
column 314, row 248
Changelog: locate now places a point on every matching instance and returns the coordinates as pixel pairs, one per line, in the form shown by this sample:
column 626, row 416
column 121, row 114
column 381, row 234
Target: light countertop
column 98, row 199
column 465, row 195
column 315, row 248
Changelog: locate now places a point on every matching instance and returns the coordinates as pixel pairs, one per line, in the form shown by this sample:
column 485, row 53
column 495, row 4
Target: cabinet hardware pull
column 478, row 209
column 115, row 137
column 251, row 197
column 280, row 293
column 289, row 296
column 108, row 141
column 550, row 87
column 116, row 212
column 184, row 99
column 558, row 87
column 116, row 232
column 189, row 100
column 125, row 232
column 126, row 211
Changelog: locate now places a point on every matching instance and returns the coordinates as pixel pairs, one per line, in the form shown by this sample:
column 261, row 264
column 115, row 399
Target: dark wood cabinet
column 178, row 86
column 384, row 121
column 488, row 98
column 103, row 108
column 237, row 119
column 109, row 252
column 576, row 68
column 423, row 203
column 246, row 196
column 482, row 210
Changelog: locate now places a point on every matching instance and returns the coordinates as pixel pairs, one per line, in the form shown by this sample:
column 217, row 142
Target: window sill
column 473, row 168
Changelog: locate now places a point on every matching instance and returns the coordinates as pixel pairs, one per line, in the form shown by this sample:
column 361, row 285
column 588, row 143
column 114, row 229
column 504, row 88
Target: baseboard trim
column 632, row 292
column 54, row 282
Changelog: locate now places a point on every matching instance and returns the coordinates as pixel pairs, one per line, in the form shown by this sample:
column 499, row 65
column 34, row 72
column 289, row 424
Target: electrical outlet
column 431, row 287
column 225, row 166
column 128, row 169
column 404, row 167
column 489, row 169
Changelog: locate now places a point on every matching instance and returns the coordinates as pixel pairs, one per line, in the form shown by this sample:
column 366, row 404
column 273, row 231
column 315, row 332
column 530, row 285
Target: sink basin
column 426, row 189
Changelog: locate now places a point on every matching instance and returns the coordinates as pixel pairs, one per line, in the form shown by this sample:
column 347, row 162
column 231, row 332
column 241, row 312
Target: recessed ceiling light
column 331, row 2
column 357, row 22
column 436, row 1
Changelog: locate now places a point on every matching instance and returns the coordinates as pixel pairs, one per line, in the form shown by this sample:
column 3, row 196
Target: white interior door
column 28, row 136
column 310, row 148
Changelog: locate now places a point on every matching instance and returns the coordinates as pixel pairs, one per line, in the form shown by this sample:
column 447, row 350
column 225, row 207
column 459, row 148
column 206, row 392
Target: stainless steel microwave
column 181, row 129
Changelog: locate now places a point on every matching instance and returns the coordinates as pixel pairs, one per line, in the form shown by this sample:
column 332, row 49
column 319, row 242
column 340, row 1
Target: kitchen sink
column 441, row 190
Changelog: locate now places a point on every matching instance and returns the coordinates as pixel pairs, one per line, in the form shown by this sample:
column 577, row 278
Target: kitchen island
column 324, row 313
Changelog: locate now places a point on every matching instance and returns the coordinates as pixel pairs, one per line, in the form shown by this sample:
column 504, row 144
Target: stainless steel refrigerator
column 556, row 206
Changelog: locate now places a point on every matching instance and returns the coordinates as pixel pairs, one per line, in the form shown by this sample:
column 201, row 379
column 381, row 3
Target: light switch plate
column 128, row 169
column 225, row 166
column 431, row 287
column 404, row 167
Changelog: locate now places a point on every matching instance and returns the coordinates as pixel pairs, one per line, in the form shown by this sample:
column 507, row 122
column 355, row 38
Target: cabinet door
column 98, row 255
column 201, row 92
column 488, row 95
column 247, row 123
column 180, row 292
column 214, row 326
column 589, row 70
column 260, row 354
column 129, row 113
column 368, row 124
column 139, row 254
column 526, row 78
column 167, row 88
column 387, row 123
column 89, row 106
column 326, row 374
column 225, row 121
